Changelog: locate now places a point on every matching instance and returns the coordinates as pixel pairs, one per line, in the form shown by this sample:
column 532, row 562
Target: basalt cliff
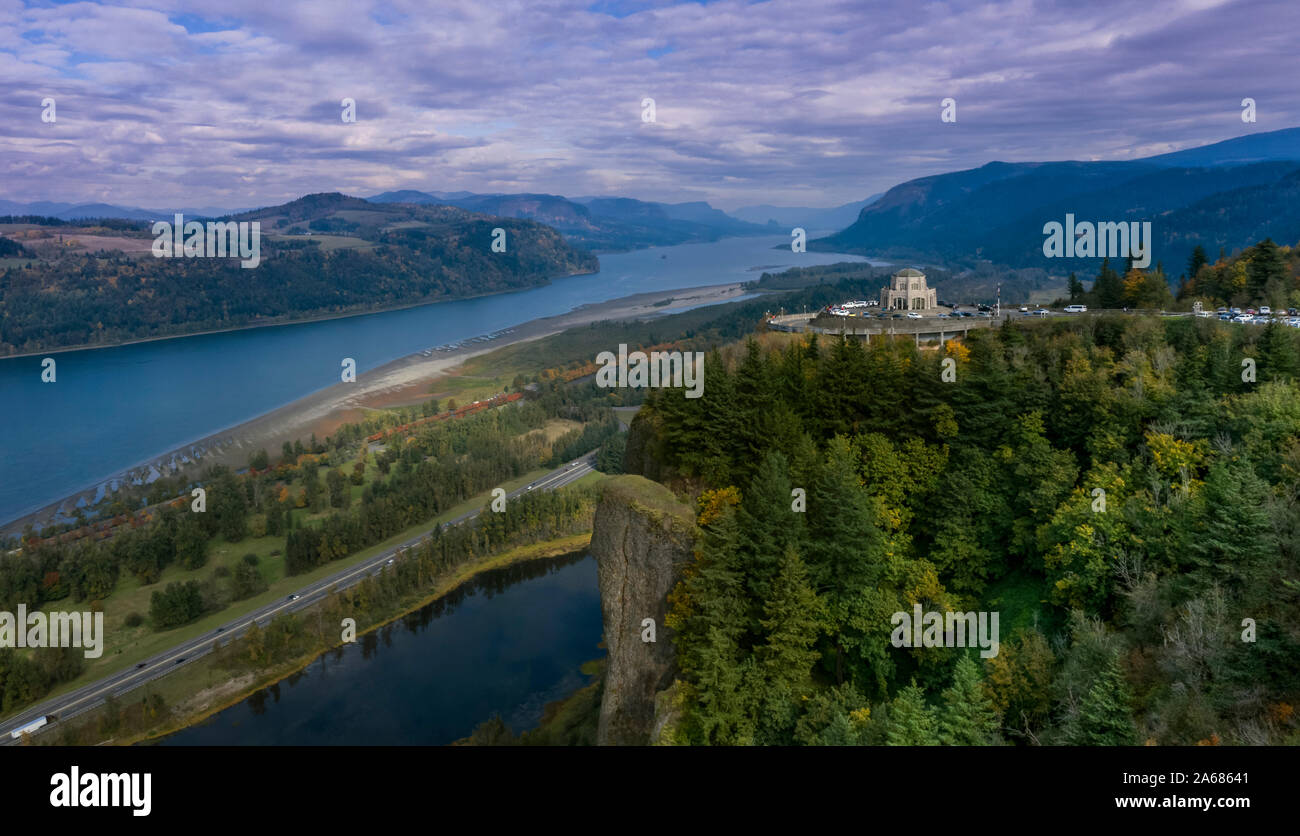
column 643, row 538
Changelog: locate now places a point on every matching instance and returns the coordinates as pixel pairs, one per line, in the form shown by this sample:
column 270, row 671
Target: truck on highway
column 31, row 727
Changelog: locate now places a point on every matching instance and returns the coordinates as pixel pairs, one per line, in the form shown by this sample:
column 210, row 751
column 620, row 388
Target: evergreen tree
column 1196, row 262
column 847, row 547
column 1105, row 717
column 768, row 525
column 791, row 622
column 1277, row 353
column 968, row 717
column 1109, row 287
column 911, row 721
column 1076, row 287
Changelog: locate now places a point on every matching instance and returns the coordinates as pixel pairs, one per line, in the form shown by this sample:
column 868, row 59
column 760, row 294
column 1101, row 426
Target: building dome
column 909, row 292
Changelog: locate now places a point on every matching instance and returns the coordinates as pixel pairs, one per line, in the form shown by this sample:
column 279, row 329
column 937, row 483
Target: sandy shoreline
column 401, row 381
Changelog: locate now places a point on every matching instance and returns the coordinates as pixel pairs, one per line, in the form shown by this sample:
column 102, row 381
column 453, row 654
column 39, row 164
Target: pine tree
column 1232, row 533
column 1277, row 353
column 1105, row 717
column 1076, row 287
column 911, row 721
column 968, row 717
column 792, row 623
column 768, row 525
column 846, row 546
column 1196, row 262
column 710, row 612
column 1265, row 271
column 1109, row 287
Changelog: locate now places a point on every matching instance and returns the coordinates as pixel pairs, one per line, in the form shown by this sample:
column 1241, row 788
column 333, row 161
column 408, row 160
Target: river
column 506, row 642
column 113, row 408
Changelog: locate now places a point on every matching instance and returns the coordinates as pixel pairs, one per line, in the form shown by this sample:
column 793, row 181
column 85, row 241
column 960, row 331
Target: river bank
column 275, row 322
column 405, row 380
column 197, row 698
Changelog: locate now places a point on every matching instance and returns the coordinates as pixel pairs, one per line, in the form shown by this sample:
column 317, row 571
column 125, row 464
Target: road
column 69, row 705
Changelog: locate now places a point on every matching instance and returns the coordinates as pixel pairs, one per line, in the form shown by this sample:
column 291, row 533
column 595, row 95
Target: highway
column 69, row 705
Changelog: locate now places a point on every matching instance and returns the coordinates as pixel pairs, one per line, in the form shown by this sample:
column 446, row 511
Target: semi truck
column 31, row 727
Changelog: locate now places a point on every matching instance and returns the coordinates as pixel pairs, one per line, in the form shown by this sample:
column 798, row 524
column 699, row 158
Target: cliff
column 642, row 539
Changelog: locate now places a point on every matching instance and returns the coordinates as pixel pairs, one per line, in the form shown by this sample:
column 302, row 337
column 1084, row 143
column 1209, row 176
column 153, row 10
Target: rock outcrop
column 642, row 539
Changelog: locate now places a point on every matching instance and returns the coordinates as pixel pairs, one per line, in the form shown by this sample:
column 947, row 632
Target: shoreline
column 392, row 384
column 301, row 321
column 246, row 685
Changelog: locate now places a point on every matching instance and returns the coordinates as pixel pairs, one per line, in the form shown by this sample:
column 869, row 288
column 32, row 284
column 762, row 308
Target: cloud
column 820, row 101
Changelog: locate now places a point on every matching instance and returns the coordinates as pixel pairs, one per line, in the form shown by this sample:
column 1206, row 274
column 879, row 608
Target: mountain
column 82, row 211
column 597, row 223
column 836, row 217
column 1252, row 148
column 996, row 212
column 320, row 255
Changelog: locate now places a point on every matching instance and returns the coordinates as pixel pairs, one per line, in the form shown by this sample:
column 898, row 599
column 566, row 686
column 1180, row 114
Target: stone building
column 908, row 292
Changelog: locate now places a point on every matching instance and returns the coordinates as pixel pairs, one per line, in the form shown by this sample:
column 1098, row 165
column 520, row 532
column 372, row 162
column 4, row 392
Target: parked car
column 1265, row 310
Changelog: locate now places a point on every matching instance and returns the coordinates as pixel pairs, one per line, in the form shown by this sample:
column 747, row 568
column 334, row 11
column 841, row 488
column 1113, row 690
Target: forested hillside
column 1116, row 488
column 1228, row 195
column 371, row 257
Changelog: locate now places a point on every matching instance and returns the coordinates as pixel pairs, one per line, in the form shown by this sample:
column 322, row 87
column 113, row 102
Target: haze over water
column 114, row 408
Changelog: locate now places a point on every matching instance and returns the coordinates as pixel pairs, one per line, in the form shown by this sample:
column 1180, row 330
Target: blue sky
column 815, row 102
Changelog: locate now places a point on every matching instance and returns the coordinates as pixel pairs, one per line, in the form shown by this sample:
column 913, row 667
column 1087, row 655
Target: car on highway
column 390, row 562
column 1076, row 308
column 530, row 487
column 1040, row 312
column 294, row 597
column 178, row 661
column 1024, row 309
column 140, row 665
column 913, row 315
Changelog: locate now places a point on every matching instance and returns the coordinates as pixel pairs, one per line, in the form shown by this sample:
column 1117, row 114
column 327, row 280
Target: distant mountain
column 597, row 223
column 81, row 211
column 1243, row 150
column 996, row 212
column 323, row 254
column 412, row 196
column 836, row 217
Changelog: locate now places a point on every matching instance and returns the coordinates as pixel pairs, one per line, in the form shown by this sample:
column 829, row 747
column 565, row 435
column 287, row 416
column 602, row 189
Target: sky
column 811, row 103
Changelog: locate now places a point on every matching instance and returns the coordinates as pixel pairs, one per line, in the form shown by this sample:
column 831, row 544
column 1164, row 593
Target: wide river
column 114, row 408
column 431, row 677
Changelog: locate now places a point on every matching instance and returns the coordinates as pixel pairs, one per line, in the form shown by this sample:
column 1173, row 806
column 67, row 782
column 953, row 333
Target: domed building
column 908, row 292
